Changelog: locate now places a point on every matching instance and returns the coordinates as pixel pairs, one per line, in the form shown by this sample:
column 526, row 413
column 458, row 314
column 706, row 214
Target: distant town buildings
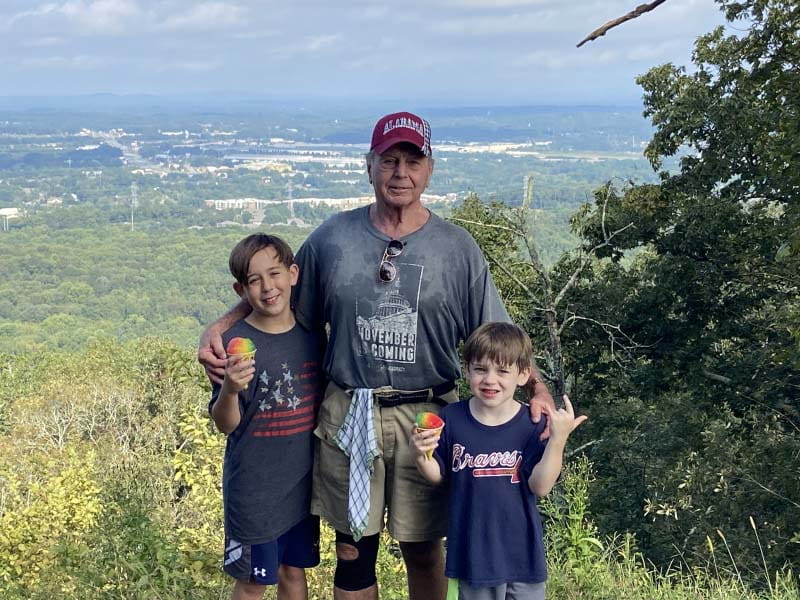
column 254, row 204
column 9, row 213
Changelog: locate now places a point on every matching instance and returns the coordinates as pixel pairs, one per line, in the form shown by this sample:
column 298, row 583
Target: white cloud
column 253, row 35
column 372, row 13
column 554, row 60
column 654, row 52
column 94, row 16
column 319, row 42
column 78, row 62
column 501, row 24
column 310, row 46
column 45, row 9
column 199, row 66
column 205, row 16
column 43, row 42
column 503, row 45
column 371, row 63
column 493, row 4
column 101, row 14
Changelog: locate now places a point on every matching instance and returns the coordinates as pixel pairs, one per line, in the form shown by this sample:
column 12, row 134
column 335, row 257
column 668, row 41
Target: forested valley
column 661, row 293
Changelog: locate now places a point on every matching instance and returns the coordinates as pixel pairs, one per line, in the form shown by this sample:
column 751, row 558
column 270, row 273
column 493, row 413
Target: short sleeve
column 533, row 451
column 308, row 310
column 215, row 389
column 484, row 303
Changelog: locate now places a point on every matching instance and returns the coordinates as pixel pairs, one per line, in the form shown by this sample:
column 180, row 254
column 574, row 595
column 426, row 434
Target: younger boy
column 490, row 452
column 267, row 405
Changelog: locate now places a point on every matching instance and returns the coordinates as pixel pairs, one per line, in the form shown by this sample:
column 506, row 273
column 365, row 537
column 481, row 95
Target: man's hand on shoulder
column 211, row 353
column 540, row 398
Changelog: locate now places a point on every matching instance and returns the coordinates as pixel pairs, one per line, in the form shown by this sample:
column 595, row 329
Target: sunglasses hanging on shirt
column 387, row 271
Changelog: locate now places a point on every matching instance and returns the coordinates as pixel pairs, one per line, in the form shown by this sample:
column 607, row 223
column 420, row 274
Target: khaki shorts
column 415, row 510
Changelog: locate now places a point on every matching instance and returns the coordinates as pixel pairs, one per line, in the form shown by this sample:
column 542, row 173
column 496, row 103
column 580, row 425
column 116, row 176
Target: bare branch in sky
column 636, row 12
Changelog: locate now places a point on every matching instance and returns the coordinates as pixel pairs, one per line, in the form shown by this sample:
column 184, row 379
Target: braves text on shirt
column 492, row 464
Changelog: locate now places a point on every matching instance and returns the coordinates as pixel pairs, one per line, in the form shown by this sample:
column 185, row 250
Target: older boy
column 491, row 454
column 267, row 405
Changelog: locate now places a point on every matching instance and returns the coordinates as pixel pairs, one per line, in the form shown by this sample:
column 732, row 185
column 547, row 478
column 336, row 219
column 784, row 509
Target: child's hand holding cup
column 428, row 421
column 240, row 349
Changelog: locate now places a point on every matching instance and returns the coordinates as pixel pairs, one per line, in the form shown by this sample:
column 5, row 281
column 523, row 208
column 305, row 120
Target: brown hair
column 239, row 261
column 502, row 343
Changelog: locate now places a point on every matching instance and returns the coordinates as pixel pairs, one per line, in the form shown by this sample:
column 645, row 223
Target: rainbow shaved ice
column 243, row 347
column 240, row 345
column 427, row 421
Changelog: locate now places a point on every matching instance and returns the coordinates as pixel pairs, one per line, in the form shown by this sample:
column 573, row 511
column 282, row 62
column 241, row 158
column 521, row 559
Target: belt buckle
column 386, row 393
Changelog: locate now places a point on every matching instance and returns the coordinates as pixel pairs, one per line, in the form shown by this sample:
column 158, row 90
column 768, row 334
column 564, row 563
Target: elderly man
column 399, row 288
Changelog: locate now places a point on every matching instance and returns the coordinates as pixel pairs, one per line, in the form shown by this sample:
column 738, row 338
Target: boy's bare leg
column 244, row 590
column 292, row 583
column 425, row 566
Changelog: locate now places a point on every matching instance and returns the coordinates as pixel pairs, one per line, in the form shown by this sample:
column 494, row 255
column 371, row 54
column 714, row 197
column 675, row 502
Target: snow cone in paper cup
column 427, row 421
column 242, row 347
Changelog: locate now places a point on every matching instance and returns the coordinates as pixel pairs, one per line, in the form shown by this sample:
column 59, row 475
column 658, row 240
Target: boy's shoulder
column 240, row 328
column 455, row 410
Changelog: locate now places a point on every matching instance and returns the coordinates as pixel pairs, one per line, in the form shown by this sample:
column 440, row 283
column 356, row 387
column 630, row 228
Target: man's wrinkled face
column 400, row 175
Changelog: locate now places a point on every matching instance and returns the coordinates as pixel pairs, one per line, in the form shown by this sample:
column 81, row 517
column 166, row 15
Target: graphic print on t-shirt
column 286, row 401
column 503, row 463
column 387, row 326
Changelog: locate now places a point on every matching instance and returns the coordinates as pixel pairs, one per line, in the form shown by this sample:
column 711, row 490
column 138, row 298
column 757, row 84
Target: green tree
column 680, row 324
column 702, row 428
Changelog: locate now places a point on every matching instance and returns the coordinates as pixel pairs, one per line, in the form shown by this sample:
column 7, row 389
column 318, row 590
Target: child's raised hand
column 562, row 420
column 239, row 372
column 424, row 442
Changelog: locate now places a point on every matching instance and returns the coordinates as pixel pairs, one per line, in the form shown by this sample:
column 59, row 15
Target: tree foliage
column 713, row 293
column 695, row 427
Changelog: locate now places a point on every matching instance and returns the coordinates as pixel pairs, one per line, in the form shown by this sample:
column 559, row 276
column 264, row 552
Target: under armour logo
column 259, row 572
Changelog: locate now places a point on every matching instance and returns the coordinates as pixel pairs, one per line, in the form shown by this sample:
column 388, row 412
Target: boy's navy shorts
column 258, row 563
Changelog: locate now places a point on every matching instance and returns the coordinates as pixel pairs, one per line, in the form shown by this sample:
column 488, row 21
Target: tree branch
column 481, row 224
column 769, row 491
column 636, row 12
column 716, row 377
column 572, row 453
column 509, row 274
column 585, row 258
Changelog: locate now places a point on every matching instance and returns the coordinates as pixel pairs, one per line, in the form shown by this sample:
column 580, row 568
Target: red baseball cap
column 401, row 127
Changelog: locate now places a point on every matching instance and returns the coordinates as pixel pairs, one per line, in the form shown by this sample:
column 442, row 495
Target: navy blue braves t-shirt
column 495, row 533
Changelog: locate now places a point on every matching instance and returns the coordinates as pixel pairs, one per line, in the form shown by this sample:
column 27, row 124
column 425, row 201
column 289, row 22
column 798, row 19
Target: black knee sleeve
column 359, row 573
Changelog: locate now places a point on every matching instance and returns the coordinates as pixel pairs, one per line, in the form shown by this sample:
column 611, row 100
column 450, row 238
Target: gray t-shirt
column 403, row 334
column 266, row 476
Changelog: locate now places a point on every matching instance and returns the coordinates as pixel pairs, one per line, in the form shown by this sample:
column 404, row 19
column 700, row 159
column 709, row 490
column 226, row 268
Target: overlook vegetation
column 675, row 303
column 111, row 476
column 678, row 313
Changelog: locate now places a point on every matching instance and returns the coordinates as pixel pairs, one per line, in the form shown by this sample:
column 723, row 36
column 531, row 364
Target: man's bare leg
column 425, row 566
column 292, row 583
column 348, row 552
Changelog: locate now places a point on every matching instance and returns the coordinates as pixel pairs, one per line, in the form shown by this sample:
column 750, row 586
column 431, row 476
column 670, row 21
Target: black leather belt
column 396, row 397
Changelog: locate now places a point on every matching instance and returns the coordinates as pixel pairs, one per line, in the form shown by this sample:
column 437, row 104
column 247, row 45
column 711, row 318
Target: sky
column 455, row 52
